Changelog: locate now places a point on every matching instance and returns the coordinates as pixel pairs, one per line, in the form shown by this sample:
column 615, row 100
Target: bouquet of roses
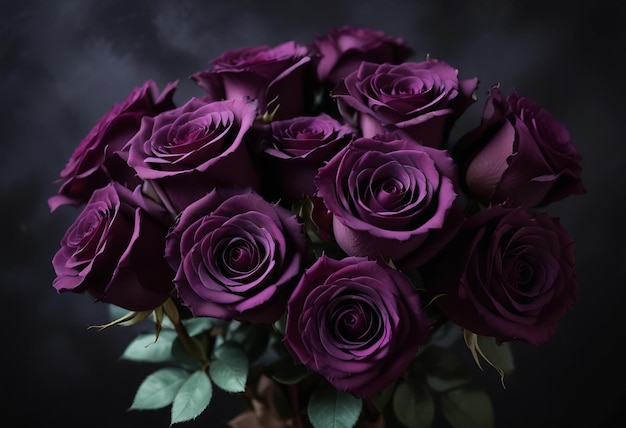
column 304, row 233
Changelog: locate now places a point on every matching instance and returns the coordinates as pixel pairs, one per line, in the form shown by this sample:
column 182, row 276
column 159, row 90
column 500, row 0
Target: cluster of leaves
column 234, row 356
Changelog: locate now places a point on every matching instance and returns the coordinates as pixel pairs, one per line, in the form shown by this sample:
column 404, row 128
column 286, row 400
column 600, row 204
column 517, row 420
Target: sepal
column 496, row 353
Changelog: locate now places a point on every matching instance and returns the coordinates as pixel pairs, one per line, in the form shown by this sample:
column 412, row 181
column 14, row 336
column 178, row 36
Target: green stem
column 371, row 411
column 188, row 342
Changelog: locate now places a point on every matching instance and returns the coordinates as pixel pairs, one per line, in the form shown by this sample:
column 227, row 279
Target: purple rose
column 97, row 160
column 114, row 250
column 420, row 99
column 237, row 256
column 509, row 274
column 343, row 49
column 277, row 77
column 188, row 151
column 519, row 155
column 301, row 146
column 358, row 323
column 392, row 199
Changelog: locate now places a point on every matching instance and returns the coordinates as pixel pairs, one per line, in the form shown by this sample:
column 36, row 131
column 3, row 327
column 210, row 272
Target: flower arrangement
column 306, row 234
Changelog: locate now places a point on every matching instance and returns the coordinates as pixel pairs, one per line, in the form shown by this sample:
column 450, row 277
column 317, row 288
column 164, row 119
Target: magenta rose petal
column 97, row 160
column 422, row 100
column 355, row 321
column 237, row 256
column 518, row 155
column 514, row 279
column 191, row 150
column 114, row 251
column 421, row 180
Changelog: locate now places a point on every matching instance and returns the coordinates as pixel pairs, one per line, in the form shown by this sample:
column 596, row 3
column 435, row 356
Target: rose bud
column 358, row 323
column 276, row 77
column 509, row 274
column 342, row 50
column 420, row 99
column 98, row 161
column 237, row 256
column 300, row 146
column 187, row 152
column 114, row 250
column 519, row 155
column 391, row 198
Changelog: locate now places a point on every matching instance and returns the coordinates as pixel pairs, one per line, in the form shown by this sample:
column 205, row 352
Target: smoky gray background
column 63, row 64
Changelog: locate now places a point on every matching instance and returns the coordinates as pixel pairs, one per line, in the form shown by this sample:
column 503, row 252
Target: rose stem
column 194, row 350
column 371, row 411
column 295, row 406
column 158, row 192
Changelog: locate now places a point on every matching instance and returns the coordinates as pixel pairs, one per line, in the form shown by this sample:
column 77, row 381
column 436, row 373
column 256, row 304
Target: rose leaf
column 229, row 367
column 159, row 389
column 467, row 407
column 500, row 354
column 146, row 347
column 192, row 398
column 330, row 408
column 413, row 404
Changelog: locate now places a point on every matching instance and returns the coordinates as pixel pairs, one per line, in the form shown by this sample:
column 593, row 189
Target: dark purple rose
column 114, row 250
column 509, row 274
column 237, row 256
column 97, row 160
column 392, row 199
column 519, row 155
column 277, row 77
column 420, row 99
column 301, row 146
column 188, row 151
column 359, row 323
column 342, row 50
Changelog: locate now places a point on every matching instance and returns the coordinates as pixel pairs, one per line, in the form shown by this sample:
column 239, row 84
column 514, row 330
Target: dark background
column 63, row 64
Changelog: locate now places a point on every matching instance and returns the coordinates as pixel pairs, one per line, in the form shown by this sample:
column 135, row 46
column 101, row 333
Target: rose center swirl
column 240, row 257
column 354, row 321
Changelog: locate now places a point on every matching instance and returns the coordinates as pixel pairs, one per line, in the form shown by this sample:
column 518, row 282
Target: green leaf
column 181, row 356
column 467, row 407
column 159, row 389
column 500, row 355
column 443, row 368
column 195, row 326
column 287, row 372
column 329, row 408
column 280, row 324
column 413, row 404
column 229, row 367
column 473, row 342
column 382, row 397
column 147, row 348
column 254, row 340
column 446, row 335
column 192, row 398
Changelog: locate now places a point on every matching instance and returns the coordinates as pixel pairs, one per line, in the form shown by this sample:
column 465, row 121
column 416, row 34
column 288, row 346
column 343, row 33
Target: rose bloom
column 509, row 274
column 391, row 198
column 342, row 50
column 114, row 250
column 420, row 99
column 237, row 256
column 97, row 160
column 519, row 155
column 277, row 77
column 300, row 146
column 359, row 323
column 188, row 151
